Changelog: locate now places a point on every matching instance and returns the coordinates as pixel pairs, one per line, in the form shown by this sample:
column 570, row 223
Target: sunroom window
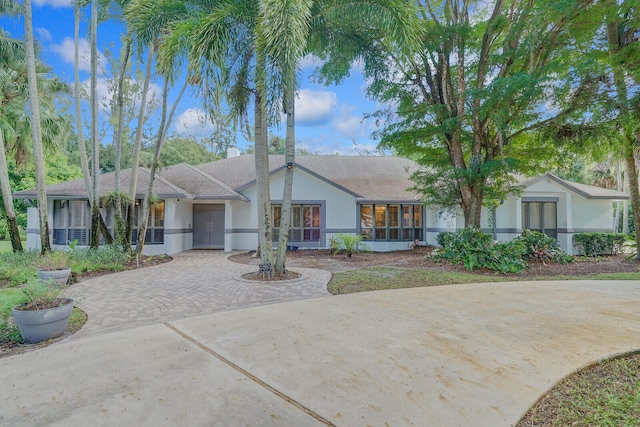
column 391, row 222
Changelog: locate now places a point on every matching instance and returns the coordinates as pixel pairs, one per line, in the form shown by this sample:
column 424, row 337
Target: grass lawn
column 5, row 245
column 381, row 278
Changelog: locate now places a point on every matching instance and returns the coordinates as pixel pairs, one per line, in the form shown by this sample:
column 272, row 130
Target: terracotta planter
column 59, row 276
column 40, row 325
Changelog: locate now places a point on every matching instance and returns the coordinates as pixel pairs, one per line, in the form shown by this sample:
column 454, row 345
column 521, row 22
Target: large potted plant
column 45, row 312
column 54, row 266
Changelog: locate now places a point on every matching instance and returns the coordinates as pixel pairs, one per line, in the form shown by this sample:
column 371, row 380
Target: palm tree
column 36, row 129
column 10, row 49
column 16, row 124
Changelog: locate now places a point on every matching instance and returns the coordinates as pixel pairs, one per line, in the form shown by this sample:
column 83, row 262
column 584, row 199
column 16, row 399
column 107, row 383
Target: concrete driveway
column 465, row 355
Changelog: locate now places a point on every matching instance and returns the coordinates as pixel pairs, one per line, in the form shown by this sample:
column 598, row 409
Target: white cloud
column 103, row 90
column 193, row 122
column 349, row 124
column 314, row 107
column 53, row 3
column 309, row 61
column 66, row 49
column 42, row 34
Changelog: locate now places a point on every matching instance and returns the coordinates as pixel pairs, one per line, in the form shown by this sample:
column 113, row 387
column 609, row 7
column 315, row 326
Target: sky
column 329, row 119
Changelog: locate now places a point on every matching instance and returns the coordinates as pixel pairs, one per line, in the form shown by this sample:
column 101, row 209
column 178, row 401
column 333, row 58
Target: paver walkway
column 195, row 283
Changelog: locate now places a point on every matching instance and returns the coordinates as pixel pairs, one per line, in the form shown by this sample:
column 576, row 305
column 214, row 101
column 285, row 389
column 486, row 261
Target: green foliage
column 107, row 257
column 39, row 295
column 599, row 243
column 54, row 260
column 474, row 249
column 350, row 243
column 4, row 228
column 8, row 330
column 443, row 238
column 18, row 268
column 540, row 247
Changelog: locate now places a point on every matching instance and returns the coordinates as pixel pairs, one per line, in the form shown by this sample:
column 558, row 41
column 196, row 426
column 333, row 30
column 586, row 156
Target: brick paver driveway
column 195, row 283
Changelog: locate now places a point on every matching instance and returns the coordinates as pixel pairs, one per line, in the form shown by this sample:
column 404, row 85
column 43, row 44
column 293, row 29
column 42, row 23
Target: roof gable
column 584, row 190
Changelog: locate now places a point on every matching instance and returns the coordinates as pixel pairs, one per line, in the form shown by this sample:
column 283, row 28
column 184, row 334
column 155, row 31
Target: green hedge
column 599, row 243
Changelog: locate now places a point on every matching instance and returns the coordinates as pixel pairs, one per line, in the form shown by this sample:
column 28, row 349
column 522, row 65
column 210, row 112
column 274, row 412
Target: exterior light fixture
column 289, row 165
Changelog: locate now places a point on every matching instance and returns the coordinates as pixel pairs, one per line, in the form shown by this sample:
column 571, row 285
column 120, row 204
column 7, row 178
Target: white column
column 228, row 225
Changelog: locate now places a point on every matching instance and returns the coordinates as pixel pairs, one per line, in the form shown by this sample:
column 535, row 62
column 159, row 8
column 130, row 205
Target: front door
column 208, row 226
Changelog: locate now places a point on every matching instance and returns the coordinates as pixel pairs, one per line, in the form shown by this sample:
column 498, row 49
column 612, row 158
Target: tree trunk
column 95, row 142
column 262, row 183
column 36, row 130
column 10, row 212
column 135, row 165
column 616, row 219
column 119, row 104
column 287, row 192
column 628, row 137
column 162, row 134
column 625, row 206
column 82, row 146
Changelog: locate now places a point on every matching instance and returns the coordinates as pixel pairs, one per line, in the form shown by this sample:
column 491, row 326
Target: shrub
column 474, row 249
column 540, row 247
column 599, row 243
column 443, row 238
column 351, row 243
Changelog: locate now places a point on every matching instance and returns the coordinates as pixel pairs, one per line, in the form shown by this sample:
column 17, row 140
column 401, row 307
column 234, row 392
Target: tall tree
column 36, row 129
column 10, row 51
column 479, row 77
column 622, row 40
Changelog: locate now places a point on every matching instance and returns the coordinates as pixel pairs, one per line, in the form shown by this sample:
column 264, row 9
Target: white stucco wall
column 178, row 217
column 340, row 210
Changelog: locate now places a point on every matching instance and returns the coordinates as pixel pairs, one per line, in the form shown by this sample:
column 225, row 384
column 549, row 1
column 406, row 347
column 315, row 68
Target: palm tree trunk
column 133, row 183
column 119, row 102
column 82, row 146
column 287, row 192
column 95, row 141
column 10, row 212
column 262, row 172
column 36, row 130
column 625, row 206
column 162, row 135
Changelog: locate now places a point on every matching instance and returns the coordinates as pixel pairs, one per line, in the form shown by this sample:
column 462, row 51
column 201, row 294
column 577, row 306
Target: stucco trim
column 240, row 230
column 178, row 231
column 540, row 199
column 585, row 230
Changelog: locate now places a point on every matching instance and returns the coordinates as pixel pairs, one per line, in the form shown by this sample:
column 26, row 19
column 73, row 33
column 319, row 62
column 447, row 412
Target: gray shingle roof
column 366, row 177
column 587, row 191
column 75, row 189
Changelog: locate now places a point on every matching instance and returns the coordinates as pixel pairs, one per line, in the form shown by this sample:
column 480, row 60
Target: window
column 70, row 222
column 541, row 216
column 305, row 223
column 155, row 223
column 392, row 222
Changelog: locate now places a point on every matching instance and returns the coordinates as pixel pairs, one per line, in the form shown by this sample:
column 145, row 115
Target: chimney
column 232, row 152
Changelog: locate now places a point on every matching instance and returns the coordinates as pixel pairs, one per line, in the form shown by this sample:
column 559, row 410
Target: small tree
column 350, row 243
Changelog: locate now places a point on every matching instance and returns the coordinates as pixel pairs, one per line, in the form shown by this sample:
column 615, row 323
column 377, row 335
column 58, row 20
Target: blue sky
column 328, row 119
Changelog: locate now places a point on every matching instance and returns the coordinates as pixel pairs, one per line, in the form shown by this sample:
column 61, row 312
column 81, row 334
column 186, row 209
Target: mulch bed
column 326, row 260
column 287, row 275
